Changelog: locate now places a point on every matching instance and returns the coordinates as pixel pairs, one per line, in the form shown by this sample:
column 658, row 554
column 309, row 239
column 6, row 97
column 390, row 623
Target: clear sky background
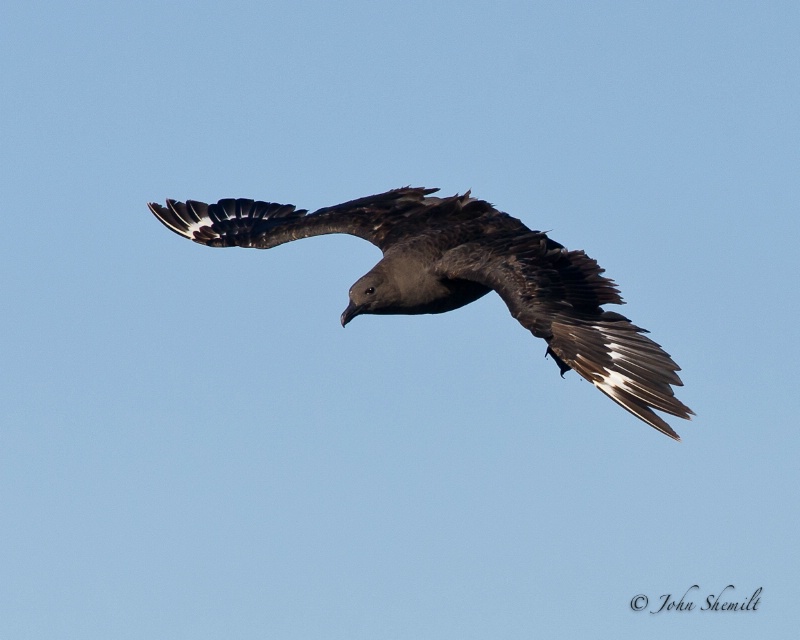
column 192, row 447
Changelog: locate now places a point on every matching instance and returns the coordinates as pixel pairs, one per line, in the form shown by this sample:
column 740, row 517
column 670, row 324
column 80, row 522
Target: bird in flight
column 441, row 253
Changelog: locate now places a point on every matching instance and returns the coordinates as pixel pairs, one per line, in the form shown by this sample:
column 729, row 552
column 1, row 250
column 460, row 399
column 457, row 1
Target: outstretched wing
column 262, row 225
column 557, row 295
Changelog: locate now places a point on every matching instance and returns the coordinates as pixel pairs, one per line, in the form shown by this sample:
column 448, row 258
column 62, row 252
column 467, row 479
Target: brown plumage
column 443, row 253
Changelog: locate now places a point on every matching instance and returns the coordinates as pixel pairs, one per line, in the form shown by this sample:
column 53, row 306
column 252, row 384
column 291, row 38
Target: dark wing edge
column 241, row 222
column 557, row 294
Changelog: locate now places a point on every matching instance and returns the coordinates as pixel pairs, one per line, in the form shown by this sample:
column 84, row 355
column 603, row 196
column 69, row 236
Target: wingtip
column 669, row 432
column 170, row 217
column 616, row 357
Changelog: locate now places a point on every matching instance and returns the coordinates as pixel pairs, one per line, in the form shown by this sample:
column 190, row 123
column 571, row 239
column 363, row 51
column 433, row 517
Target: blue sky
column 192, row 447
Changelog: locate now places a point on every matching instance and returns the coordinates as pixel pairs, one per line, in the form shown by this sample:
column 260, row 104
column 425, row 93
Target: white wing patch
column 196, row 226
column 192, row 226
column 612, row 381
column 615, row 351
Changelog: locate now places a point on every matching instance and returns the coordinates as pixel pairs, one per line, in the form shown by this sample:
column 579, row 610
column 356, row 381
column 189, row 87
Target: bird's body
column 440, row 254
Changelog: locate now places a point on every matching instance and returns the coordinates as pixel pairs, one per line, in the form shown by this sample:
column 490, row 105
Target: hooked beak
column 351, row 312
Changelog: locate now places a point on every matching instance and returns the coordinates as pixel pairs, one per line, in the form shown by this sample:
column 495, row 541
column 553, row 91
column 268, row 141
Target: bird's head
column 373, row 293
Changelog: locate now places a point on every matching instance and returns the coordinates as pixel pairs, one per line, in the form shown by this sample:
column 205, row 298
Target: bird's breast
column 441, row 296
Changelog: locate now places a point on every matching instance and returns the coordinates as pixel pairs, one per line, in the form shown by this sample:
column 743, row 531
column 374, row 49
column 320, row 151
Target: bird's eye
column 370, row 291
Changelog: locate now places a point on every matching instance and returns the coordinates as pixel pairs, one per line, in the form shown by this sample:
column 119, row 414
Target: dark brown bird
column 442, row 253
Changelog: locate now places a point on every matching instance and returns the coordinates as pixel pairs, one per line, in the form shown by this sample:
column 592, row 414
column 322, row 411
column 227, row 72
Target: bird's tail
column 615, row 356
